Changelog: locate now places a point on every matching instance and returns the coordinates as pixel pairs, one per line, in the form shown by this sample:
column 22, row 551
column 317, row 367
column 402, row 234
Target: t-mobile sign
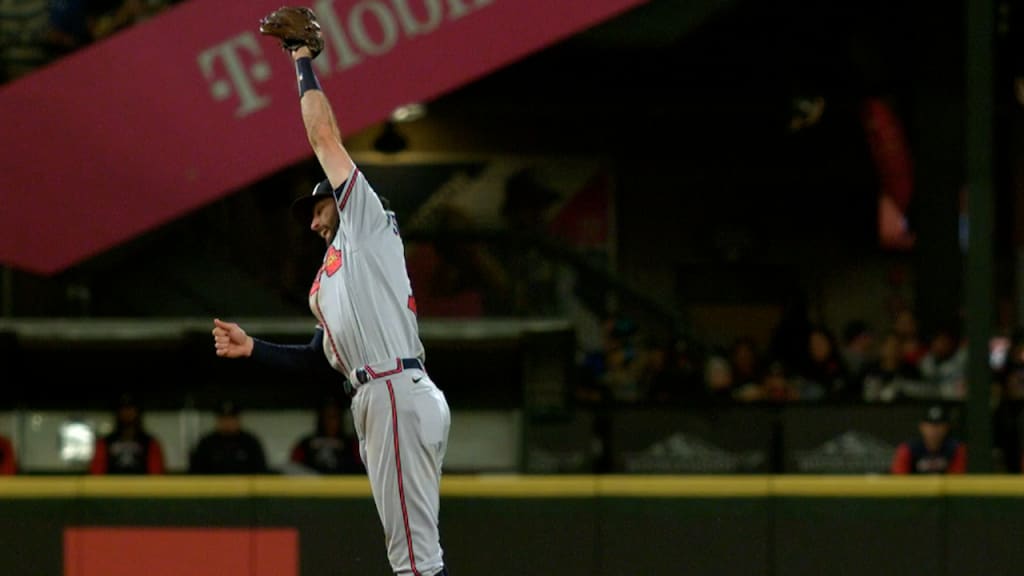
column 193, row 104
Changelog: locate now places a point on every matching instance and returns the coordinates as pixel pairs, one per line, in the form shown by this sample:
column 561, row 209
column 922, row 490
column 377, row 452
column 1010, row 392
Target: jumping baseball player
column 367, row 329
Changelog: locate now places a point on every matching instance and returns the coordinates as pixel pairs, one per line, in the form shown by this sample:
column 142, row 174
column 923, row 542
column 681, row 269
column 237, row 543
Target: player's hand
column 230, row 341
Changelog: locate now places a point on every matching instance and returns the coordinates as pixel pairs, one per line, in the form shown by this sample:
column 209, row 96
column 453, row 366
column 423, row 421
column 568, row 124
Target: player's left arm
column 320, row 122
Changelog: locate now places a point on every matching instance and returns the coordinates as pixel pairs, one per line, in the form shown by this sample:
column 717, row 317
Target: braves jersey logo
column 332, row 262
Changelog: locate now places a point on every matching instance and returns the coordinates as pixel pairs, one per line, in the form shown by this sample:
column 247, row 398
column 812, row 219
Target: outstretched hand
column 230, row 341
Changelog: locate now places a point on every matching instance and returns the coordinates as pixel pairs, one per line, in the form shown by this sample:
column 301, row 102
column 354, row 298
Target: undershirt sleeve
column 293, row 358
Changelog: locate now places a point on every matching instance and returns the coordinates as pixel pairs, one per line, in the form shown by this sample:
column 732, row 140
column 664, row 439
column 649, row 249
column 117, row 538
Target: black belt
column 366, row 374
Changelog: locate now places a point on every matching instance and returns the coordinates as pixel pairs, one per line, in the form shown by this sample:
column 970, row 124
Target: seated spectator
column 944, row 365
column 779, row 387
column 890, row 374
column 718, row 381
column 745, row 359
column 775, row 387
column 330, row 448
column 912, row 345
column 673, row 375
column 858, row 355
column 8, row 459
column 934, row 449
column 129, row 448
column 822, row 373
column 228, row 448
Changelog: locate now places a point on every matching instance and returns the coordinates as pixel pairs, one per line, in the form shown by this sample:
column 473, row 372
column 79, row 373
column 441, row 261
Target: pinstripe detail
column 401, row 486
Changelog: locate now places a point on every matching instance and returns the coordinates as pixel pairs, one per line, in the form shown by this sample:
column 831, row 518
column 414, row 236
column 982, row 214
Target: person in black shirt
column 228, row 448
column 329, row 448
column 129, row 448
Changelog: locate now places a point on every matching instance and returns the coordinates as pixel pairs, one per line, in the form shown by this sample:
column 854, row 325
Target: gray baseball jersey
column 363, row 298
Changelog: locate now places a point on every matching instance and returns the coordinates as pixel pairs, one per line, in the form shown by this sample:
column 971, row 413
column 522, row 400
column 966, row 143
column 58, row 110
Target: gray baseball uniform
column 363, row 299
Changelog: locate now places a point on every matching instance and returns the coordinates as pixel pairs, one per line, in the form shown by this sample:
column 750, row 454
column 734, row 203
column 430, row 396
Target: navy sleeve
column 304, row 358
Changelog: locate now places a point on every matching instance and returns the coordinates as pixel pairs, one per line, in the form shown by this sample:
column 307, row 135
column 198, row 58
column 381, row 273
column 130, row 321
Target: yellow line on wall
column 522, row 486
column 514, row 486
column 683, row 486
column 859, row 486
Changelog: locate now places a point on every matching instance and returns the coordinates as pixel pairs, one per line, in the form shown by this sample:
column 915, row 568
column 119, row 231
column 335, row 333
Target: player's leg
column 405, row 436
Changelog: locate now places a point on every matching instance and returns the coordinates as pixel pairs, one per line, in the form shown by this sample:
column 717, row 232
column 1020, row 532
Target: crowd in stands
column 812, row 364
column 229, row 448
column 861, row 364
column 34, row 33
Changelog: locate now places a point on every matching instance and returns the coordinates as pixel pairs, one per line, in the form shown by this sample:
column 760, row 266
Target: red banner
column 174, row 113
column 160, row 551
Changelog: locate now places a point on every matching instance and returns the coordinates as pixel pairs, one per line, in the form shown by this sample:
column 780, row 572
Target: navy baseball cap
column 302, row 207
column 936, row 414
column 227, row 408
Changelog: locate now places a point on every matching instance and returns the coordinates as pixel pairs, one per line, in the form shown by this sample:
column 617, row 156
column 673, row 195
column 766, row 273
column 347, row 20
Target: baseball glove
column 295, row 27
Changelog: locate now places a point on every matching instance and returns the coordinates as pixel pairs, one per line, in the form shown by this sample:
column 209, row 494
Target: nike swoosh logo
column 417, row 379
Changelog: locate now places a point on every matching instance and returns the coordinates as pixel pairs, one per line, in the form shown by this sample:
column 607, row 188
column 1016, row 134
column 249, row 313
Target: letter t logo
column 239, row 79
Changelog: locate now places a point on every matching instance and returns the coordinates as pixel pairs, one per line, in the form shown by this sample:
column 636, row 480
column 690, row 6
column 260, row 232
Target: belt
column 369, row 372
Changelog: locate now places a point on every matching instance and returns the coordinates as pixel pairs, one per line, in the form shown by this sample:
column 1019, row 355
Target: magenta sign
column 192, row 105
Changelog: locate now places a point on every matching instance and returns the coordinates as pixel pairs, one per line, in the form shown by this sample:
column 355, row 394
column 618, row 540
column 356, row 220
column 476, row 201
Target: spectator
column 890, row 374
column 8, row 459
column 330, row 448
column 858, row 356
column 905, row 327
column 672, row 374
column 229, row 448
column 719, row 384
column 778, row 387
column 745, row 359
column 775, row 387
column 821, row 373
column 934, row 450
column 129, row 448
column 944, row 365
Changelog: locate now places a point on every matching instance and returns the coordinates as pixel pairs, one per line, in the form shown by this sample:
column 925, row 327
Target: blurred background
column 701, row 280
column 668, row 241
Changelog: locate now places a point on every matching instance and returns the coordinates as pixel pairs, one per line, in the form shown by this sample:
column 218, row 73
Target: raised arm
column 320, row 122
column 298, row 31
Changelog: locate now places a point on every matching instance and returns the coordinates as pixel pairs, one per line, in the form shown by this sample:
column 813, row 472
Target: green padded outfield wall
column 515, row 525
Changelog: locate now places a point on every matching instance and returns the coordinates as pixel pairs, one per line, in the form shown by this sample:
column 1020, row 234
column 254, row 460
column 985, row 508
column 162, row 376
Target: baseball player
column 367, row 328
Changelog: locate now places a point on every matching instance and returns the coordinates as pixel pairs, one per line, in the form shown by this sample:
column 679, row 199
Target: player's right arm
column 320, row 122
